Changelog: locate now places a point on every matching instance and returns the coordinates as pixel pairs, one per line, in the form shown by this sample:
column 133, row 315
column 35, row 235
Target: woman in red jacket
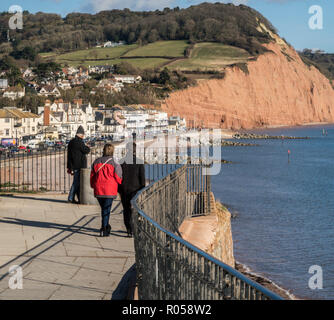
column 105, row 177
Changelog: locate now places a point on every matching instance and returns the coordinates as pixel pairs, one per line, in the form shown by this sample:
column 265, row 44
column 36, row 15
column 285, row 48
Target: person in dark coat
column 76, row 160
column 133, row 171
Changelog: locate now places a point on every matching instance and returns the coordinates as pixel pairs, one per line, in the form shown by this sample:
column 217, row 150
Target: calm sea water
column 284, row 211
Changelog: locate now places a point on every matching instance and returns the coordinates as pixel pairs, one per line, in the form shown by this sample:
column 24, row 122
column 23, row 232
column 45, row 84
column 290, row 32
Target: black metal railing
column 46, row 170
column 168, row 267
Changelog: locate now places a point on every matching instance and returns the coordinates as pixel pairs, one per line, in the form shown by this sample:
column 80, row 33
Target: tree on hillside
column 205, row 22
column 125, row 68
column 164, row 76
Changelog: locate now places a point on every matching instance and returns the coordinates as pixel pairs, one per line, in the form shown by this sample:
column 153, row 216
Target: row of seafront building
column 60, row 120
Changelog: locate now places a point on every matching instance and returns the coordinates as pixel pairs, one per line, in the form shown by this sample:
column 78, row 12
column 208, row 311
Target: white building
column 28, row 73
column 176, row 123
column 16, row 123
column 14, row 93
column 64, row 84
column 157, row 121
column 143, row 121
column 130, row 79
column 110, row 85
column 100, row 69
column 67, row 117
column 110, row 44
column 3, row 84
column 49, row 90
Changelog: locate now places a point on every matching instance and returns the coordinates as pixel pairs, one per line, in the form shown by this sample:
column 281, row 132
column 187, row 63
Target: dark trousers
column 105, row 204
column 75, row 188
column 127, row 211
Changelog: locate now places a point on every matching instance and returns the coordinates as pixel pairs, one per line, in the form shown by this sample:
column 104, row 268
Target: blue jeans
column 75, row 189
column 105, row 204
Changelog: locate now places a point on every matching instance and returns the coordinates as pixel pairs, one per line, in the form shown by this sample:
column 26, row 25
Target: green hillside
column 204, row 56
column 210, row 56
column 206, row 22
column 126, row 53
column 94, row 54
column 161, row 49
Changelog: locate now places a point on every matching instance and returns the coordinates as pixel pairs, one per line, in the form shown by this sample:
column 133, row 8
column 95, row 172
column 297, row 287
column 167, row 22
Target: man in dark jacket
column 133, row 180
column 76, row 159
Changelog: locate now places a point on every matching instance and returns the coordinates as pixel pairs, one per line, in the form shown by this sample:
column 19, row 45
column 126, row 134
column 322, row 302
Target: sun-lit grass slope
column 111, row 56
column 93, row 54
column 160, row 49
column 210, row 56
column 204, row 56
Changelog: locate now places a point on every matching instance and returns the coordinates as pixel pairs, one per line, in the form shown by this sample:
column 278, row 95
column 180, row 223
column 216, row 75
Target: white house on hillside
column 64, row 84
column 3, row 84
column 130, row 79
column 14, row 93
column 49, row 90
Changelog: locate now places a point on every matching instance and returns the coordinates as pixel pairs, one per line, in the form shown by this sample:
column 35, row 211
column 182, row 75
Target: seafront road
column 58, row 247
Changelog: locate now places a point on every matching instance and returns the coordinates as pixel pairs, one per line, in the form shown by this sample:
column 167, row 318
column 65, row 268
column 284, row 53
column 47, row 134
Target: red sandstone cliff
column 279, row 90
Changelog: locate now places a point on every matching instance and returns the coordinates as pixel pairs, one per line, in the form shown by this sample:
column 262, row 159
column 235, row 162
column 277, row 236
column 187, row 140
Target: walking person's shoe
column 104, row 232
column 74, row 201
column 129, row 232
column 108, row 229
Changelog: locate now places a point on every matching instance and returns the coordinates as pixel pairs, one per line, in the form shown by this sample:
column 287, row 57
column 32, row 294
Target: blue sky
column 290, row 17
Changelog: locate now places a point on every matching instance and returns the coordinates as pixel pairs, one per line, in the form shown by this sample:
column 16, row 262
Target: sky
column 290, row 17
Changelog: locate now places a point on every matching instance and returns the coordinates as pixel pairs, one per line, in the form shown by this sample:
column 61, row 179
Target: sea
column 281, row 196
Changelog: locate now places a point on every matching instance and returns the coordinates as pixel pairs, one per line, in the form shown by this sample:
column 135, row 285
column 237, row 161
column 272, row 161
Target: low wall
column 222, row 245
column 212, row 233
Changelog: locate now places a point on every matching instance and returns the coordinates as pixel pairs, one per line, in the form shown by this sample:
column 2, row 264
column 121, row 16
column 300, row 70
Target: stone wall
column 222, row 245
column 212, row 233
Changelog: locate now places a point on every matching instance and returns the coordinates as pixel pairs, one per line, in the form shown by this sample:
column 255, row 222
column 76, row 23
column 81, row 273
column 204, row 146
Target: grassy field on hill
column 210, row 56
column 204, row 56
column 109, row 56
column 160, row 48
column 93, row 54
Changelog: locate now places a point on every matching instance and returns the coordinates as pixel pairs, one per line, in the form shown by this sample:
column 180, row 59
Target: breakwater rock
column 264, row 136
column 237, row 144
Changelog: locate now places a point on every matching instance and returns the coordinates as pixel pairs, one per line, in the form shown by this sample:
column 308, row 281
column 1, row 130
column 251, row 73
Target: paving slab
column 58, row 247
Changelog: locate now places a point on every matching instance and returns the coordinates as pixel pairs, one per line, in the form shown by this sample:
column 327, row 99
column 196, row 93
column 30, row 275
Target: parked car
column 58, row 145
column 32, row 145
column 13, row 149
column 42, row 146
column 3, row 150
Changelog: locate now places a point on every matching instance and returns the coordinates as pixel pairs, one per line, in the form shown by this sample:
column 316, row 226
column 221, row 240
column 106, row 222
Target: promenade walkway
column 58, row 248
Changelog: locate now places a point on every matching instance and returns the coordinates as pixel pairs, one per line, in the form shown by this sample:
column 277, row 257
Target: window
column 7, row 120
column 7, row 132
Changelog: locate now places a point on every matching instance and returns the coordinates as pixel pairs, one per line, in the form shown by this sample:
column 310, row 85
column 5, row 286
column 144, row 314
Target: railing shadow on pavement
column 44, row 246
column 49, row 225
column 25, row 197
